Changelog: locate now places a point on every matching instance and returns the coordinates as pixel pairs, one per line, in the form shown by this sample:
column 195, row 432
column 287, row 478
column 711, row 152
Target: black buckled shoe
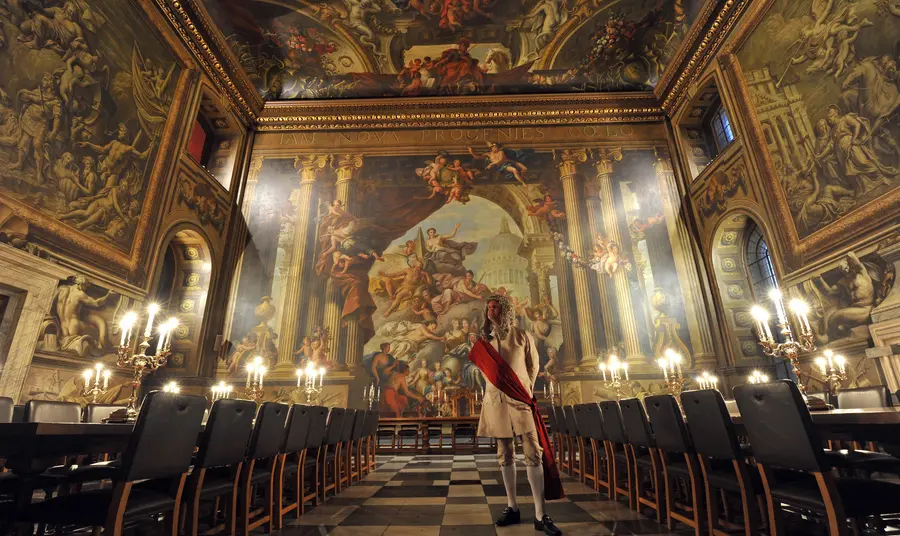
column 509, row 517
column 546, row 525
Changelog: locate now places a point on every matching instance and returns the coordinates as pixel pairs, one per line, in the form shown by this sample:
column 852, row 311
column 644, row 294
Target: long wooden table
column 881, row 425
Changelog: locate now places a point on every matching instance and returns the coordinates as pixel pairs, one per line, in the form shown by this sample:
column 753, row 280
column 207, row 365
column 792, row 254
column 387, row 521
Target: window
column 201, row 142
column 720, row 127
column 759, row 263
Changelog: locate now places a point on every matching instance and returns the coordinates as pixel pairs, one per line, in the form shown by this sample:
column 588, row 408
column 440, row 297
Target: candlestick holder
column 372, row 395
column 791, row 348
column 834, row 371
column 616, row 369
column 552, row 390
column 220, row 391
column 707, row 381
column 256, row 370
column 141, row 360
column 671, row 369
column 757, row 377
column 96, row 381
column 308, row 383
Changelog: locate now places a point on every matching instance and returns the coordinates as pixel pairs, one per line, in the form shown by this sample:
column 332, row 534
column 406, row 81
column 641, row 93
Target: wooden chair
column 309, row 465
column 466, row 431
column 329, row 463
column 289, row 462
column 259, row 468
column 150, row 479
column 553, row 430
column 218, row 464
column 97, row 413
column 346, row 449
column 644, row 459
column 408, row 431
column 590, row 419
column 354, row 467
column 387, row 432
column 7, row 408
column 723, row 462
column 619, row 456
column 574, row 447
column 783, row 437
column 371, row 444
column 563, row 440
column 679, row 460
column 52, row 411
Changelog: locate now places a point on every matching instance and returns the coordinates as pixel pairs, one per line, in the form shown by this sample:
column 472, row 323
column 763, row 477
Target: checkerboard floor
column 457, row 495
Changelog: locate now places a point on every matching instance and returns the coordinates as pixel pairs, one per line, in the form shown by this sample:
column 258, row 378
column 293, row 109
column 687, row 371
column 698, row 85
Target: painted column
column 347, row 168
column 304, row 199
column 685, row 264
column 630, row 339
column 567, row 317
column 568, row 167
column 595, row 224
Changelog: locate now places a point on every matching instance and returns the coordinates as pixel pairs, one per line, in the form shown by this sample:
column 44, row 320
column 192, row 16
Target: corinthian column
column 303, row 199
column 685, row 263
column 568, row 167
column 347, row 341
column 595, row 224
column 630, row 339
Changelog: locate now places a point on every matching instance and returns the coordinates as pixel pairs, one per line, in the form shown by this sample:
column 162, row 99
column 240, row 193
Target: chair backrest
column 19, row 413
column 709, row 424
column 581, row 420
column 779, row 426
column 335, row 426
column 349, row 422
column 731, row 406
column 551, row 421
column 297, row 428
column 875, row 396
column 7, row 408
column 318, row 419
column 637, row 427
column 359, row 425
column 669, row 430
column 560, row 419
column 372, row 423
column 612, row 422
column 595, row 421
column 96, row 413
column 164, row 437
column 227, row 433
column 268, row 432
column 571, row 425
column 52, row 411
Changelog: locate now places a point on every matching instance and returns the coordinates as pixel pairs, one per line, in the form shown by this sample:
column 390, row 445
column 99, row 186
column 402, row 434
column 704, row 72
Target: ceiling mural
column 292, row 49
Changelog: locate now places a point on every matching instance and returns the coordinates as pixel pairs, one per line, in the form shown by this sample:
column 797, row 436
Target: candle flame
column 799, row 307
column 759, row 314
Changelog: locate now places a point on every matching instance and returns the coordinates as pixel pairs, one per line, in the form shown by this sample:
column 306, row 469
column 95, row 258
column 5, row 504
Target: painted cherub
column 436, row 189
column 606, row 257
column 546, row 208
column 466, row 173
column 456, row 191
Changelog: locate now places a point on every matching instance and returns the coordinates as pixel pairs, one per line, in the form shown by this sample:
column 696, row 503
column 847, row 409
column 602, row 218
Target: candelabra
column 220, row 391
column 616, row 369
column 757, row 377
column 141, row 360
column 172, row 387
column 789, row 349
column 371, row 395
column 256, row 370
column 96, row 381
column 552, row 390
column 707, row 381
column 307, row 383
column 671, row 368
column 834, row 370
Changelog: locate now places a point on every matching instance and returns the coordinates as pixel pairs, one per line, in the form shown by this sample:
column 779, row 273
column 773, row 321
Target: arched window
column 759, row 264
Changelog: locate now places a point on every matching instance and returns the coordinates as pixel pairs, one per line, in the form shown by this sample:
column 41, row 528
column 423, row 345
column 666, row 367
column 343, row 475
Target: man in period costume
column 508, row 358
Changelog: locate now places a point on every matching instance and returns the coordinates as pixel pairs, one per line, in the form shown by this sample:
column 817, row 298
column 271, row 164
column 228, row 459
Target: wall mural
column 822, row 76
column 84, row 96
column 380, row 265
column 379, row 48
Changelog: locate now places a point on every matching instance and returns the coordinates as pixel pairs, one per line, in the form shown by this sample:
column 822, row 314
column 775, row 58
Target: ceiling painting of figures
column 292, row 49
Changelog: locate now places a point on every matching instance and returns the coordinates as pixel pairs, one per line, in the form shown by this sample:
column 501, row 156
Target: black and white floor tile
column 457, row 495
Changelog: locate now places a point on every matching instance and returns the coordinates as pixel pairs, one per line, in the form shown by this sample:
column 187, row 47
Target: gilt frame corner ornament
column 833, row 235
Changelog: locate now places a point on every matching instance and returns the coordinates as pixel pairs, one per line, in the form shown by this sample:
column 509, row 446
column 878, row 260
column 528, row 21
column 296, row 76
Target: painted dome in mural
column 294, row 49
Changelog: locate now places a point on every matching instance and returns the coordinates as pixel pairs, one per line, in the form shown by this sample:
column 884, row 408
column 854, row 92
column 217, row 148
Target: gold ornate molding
column 568, row 160
column 309, row 166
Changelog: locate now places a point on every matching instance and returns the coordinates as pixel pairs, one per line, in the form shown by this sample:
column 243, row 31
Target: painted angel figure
column 829, row 42
column 606, row 256
column 545, row 18
column 546, row 208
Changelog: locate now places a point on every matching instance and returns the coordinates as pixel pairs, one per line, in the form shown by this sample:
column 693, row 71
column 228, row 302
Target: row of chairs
column 252, row 465
column 686, row 463
column 54, row 411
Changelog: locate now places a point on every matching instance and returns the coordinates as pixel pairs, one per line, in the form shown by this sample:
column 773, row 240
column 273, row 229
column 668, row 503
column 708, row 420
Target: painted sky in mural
column 85, row 91
column 823, row 78
column 378, row 48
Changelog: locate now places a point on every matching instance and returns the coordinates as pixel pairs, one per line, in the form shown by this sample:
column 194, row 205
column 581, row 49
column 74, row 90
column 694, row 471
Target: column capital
column 663, row 161
column 256, row 164
column 604, row 158
column 568, row 160
column 347, row 165
column 309, row 166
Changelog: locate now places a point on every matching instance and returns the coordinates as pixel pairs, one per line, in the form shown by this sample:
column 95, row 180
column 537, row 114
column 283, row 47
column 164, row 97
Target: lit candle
column 602, row 369
column 841, row 363
column 126, row 325
column 801, row 311
column 299, row 376
column 321, row 376
column 152, row 309
column 262, row 372
column 625, row 369
column 106, row 375
column 87, row 378
column 663, row 364
column 775, row 296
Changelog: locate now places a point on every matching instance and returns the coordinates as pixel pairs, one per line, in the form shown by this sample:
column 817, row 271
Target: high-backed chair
column 19, row 413
column 644, row 457
column 150, row 479
column 97, row 413
column 782, row 436
column 553, row 428
column 356, row 445
column 874, row 396
column 52, row 411
column 574, row 447
column 593, row 420
column 333, row 431
column 371, row 440
column 587, row 454
column 678, row 461
column 562, row 439
column 259, row 467
column 289, row 460
column 345, row 448
column 218, row 463
column 7, row 408
column 309, row 465
column 723, row 462
column 619, row 457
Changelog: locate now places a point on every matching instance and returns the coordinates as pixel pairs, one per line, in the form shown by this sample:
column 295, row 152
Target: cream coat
column 501, row 416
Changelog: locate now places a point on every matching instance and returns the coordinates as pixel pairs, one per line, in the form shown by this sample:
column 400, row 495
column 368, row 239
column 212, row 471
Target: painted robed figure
column 508, row 358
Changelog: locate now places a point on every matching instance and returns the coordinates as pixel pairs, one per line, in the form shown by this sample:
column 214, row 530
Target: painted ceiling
column 293, row 49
